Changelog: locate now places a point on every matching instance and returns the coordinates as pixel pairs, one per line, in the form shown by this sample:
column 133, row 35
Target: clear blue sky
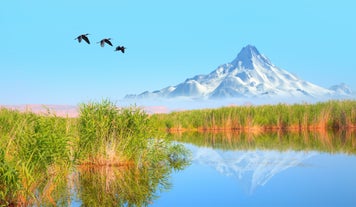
column 167, row 42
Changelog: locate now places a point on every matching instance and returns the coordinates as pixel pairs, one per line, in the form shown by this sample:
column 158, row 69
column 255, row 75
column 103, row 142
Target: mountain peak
column 249, row 50
column 244, row 58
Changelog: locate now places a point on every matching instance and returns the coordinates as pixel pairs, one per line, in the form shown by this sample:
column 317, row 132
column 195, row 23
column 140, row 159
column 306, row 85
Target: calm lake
column 229, row 170
column 263, row 178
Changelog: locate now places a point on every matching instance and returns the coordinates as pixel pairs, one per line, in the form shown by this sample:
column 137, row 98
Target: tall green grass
column 39, row 152
column 326, row 115
column 111, row 134
column 35, row 156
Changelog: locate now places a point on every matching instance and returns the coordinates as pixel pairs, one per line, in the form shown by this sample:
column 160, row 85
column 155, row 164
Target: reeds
column 34, row 155
column 37, row 152
column 324, row 115
column 108, row 134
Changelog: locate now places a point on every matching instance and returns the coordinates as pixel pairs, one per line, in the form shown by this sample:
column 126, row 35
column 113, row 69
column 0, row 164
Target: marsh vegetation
column 333, row 115
column 40, row 154
column 127, row 155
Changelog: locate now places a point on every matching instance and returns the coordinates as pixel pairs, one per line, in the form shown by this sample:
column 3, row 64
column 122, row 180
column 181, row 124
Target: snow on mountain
column 250, row 74
column 341, row 89
column 252, row 168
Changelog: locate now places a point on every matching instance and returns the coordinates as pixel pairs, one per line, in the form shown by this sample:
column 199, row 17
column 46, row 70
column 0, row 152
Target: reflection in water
column 252, row 168
column 254, row 158
column 321, row 141
column 120, row 186
column 132, row 185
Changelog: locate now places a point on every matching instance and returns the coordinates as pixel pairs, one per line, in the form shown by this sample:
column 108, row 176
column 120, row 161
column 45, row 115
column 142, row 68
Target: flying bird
column 103, row 41
column 83, row 37
column 120, row 48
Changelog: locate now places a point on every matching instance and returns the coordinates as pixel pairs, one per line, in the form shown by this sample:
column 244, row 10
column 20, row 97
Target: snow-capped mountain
column 250, row 74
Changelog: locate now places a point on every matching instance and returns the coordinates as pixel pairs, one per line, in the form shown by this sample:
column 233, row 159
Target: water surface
column 263, row 178
column 275, row 169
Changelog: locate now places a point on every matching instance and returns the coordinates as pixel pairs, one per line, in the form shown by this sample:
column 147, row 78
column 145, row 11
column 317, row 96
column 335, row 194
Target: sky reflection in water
column 263, row 178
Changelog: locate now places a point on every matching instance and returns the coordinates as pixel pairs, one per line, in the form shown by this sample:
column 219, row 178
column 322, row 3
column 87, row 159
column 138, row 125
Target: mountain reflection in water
column 266, row 169
column 254, row 168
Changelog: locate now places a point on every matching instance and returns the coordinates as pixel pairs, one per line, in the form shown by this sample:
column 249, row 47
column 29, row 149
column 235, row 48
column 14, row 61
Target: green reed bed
column 127, row 139
column 326, row 115
column 39, row 153
column 109, row 135
column 35, row 155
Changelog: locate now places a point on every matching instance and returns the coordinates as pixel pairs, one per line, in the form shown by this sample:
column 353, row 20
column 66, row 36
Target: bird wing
column 102, row 43
column 79, row 38
column 120, row 48
column 86, row 39
column 108, row 42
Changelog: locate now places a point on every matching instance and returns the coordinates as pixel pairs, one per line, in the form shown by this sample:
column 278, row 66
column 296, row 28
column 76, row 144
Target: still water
column 263, row 178
column 261, row 171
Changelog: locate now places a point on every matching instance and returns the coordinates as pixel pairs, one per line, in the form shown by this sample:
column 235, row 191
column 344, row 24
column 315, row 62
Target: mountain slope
column 250, row 74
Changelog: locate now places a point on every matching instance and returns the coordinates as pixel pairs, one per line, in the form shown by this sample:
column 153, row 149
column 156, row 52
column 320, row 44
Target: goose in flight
column 103, row 41
column 120, row 48
column 83, row 37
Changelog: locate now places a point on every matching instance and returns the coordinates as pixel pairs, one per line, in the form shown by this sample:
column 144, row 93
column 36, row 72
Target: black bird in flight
column 106, row 40
column 83, row 37
column 120, row 48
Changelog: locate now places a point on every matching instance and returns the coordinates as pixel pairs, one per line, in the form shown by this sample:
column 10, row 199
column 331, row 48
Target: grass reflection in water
column 343, row 141
column 121, row 186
